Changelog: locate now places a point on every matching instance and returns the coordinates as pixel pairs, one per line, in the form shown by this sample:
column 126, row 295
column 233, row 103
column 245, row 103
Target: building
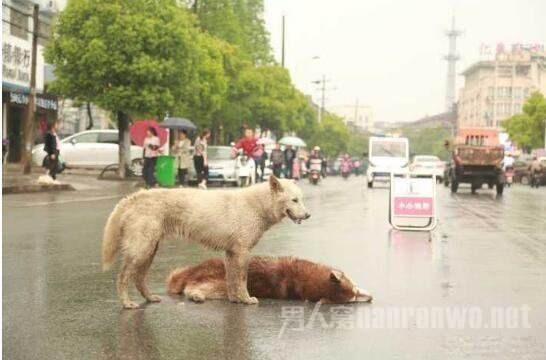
column 447, row 120
column 359, row 117
column 74, row 117
column 17, row 28
column 497, row 89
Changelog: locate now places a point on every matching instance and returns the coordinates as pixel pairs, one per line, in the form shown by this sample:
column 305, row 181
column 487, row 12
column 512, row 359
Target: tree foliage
column 137, row 56
column 208, row 60
column 527, row 129
column 332, row 135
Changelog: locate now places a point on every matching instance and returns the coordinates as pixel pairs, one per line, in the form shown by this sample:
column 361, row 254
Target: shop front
column 14, row 110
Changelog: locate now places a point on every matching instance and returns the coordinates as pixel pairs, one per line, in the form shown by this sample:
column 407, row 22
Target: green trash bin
column 165, row 170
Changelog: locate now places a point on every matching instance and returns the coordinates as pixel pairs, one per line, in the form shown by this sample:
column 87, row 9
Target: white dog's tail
column 111, row 238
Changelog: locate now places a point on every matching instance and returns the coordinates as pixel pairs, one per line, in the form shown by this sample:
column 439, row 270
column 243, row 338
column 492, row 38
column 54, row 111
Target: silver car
column 221, row 165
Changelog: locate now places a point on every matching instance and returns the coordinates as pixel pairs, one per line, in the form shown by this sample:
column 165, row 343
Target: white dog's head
column 288, row 199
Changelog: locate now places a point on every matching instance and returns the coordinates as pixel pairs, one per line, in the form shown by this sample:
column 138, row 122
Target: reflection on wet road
column 486, row 252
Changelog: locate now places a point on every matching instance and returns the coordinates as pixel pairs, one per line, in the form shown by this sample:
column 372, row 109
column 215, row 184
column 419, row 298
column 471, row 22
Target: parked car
column 428, row 165
column 221, row 165
column 521, row 172
column 89, row 149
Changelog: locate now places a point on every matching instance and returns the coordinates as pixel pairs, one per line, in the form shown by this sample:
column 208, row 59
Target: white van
column 387, row 155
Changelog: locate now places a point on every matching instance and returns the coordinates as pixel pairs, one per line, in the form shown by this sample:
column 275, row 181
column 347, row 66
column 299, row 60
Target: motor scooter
column 315, row 169
column 244, row 169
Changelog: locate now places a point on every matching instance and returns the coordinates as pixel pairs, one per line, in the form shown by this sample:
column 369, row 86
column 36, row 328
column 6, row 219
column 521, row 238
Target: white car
column 88, row 149
column 428, row 165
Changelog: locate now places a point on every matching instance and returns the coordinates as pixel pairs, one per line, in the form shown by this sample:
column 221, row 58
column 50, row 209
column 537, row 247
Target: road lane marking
column 46, row 203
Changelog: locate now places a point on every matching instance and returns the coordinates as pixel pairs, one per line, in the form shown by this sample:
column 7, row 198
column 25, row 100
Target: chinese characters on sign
column 22, row 99
column 501, row 48
column 412, row 197
column 15, row 63
column 412, row 206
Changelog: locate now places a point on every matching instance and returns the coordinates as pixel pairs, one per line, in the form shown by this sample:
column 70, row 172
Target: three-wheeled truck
column 476, row 160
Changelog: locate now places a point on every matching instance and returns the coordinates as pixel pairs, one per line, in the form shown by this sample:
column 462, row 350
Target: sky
column 389, row 53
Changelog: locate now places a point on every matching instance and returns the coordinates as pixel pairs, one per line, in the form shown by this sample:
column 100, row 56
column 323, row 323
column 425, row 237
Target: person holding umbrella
column 181, row 150
column 151, row 150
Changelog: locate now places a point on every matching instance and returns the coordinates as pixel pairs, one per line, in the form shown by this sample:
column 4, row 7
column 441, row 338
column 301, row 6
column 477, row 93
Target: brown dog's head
column 341, row 289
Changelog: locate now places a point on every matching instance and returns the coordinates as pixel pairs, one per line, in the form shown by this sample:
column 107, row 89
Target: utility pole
column 356, row 113
column 452, row 57
column 323, row 93
column 282, row 46
column 321, row 108
column 30, row 116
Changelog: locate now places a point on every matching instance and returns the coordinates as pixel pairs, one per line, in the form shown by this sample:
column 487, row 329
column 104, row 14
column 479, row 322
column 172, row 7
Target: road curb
column 33, row 188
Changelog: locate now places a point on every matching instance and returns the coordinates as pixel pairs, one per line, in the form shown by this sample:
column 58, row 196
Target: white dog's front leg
column 236, row 276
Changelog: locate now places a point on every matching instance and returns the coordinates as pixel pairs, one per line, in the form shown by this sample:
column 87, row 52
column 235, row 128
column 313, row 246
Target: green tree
column 427, row 141
column 332, row 135
column 240, row 23
column 135, row 58
column 358, row 143
column 527, row 129
column 255, row 36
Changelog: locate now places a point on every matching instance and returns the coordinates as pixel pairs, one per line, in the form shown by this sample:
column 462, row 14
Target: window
column 491, row 92
column 86, row 138
column 44, row 31
column 219, row 153
column 526, row 93
column 517, row 108
column 507, row 109
column 489, row 108
column 500, row 92
column 19, row 24
column 499, row 109
column 389, row 149
column 517, row 93
column 508, row 92
column 108, row 138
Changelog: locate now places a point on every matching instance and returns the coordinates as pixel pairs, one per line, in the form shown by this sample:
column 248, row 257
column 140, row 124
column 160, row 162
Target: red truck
column 476, row 160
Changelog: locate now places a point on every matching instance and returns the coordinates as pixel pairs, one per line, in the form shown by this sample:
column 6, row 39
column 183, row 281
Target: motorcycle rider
column 316, row 161
column 535, row 169
column 346, row 164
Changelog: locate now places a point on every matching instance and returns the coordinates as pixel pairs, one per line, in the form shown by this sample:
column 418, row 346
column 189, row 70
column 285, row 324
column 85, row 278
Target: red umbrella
column 140, row 127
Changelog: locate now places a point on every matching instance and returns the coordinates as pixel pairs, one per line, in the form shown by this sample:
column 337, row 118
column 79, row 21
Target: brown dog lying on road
column 273, row 278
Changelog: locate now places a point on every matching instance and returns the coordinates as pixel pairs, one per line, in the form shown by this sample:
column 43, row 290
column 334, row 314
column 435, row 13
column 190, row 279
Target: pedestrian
column 200, row 159
column 251, row 148
column 277, row 160
column 181, row 150
column 289, row 157
column 151, row 150
column 52, row 146
column 263, row 160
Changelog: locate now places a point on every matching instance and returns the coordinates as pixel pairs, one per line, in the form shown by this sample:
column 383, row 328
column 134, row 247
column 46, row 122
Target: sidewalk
column 15, row 182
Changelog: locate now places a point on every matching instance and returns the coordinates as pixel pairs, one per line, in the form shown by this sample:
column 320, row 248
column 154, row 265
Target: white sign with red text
column 413, row 197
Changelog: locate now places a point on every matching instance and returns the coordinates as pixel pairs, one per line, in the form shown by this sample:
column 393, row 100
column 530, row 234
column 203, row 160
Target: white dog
column 233, row 221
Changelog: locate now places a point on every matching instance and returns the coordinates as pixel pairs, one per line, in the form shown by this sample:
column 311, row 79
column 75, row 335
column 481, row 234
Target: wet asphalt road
column 486, row 251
